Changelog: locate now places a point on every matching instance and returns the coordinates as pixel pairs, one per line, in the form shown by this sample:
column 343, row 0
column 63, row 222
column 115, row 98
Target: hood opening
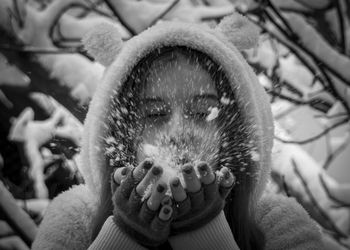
column 236, row 141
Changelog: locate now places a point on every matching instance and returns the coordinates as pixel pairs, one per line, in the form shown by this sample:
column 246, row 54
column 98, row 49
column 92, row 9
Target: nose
column 177, row 121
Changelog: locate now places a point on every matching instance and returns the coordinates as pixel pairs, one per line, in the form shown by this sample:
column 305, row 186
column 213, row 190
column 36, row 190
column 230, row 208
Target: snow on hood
column 221, row 44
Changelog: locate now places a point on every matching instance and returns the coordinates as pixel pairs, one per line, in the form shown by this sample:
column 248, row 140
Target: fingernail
column 227, row 174
column 160, row 188
column 166, row 201
column 203, row 167
column 176, row 183
column 165, row 213
column 166, row 210
column 124, row 171
column 156, row 170
column 187, row 169
column 148, row 164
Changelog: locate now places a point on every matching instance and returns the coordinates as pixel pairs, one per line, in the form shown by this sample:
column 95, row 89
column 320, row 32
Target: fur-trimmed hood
column 222, row 44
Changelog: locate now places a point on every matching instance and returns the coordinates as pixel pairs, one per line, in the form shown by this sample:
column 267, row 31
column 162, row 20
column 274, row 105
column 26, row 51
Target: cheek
column 148, row 136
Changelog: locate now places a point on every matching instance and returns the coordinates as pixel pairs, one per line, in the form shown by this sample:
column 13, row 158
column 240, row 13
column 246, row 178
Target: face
column 179, row 108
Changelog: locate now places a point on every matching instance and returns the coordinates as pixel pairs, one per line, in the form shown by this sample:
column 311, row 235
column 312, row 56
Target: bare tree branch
column 330, row 195
column 325, row 216
column 313, row 138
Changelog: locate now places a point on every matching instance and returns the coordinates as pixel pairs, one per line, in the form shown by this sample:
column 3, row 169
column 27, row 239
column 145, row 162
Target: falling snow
column 225, row 100
column 214, row 112
column 255, row 155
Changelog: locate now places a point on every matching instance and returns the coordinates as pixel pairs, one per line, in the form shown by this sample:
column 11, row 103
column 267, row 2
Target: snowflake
column 214, row 112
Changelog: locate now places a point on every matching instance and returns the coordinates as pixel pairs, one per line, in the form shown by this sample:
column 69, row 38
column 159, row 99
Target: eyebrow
column 206, row 96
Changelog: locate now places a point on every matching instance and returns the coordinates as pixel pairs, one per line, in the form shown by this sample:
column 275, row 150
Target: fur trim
column 250, row 94
column 239, row 31
column 67, row 222
column 103, row 42
column 286, row 224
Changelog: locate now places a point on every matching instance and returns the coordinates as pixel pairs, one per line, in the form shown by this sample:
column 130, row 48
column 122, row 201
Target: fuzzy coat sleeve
column 287, row 225
column 67, row 221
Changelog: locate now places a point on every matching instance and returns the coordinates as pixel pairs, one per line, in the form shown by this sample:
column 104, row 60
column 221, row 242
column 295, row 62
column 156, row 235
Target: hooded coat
column 67, row 223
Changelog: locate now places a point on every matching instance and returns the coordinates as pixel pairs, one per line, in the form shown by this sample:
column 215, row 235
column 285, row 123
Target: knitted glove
column 147, row 226
column 200, row 207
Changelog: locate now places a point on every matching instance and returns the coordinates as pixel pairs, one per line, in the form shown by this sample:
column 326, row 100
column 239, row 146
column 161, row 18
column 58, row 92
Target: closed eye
column 156, row 115
column 199, row 115
column 155, row 110
column 199, row 107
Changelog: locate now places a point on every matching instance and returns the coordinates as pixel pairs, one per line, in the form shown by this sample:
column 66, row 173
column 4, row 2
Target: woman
column 183, row 96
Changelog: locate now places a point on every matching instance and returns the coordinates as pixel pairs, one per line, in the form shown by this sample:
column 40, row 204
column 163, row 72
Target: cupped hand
column 201, row 199
column 146, row 219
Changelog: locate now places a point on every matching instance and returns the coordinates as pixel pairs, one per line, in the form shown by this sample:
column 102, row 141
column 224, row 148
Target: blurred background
column 47, row 81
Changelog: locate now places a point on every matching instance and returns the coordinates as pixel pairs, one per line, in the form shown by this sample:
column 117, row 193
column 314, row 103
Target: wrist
column 214, row 235
column 111, row 237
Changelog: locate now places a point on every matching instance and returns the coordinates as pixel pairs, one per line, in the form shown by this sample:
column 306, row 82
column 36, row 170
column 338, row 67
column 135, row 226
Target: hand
column 8, row 238
column 202, row 200
column 147, row 219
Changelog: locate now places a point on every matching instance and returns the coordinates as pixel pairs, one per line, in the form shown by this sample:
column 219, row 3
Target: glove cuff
column 190, row 222
column 138, row 231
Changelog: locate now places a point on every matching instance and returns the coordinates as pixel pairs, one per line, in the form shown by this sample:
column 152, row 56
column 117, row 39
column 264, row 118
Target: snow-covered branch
column 71, row 78
column 34, row 134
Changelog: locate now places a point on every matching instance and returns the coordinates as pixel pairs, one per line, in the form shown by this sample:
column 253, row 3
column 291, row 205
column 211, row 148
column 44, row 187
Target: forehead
column 177, row 76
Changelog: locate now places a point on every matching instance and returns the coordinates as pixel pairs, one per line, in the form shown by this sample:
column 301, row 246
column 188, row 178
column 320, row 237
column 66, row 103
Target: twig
column 341, row 26
column 61, row 39
column 18, row 14
column 94, row 4
column 333, row 90
column 315, row 203
column 284, row 21
column 16, row 217
column 295, row 39
column 325, row 8
column 285, row 186
column 175, row 2
column 64, row 9
column 331, row 116
column 35, row 50
column 334, row 154
column 121, row 20
column 290, row 47
column 318, row 64
column 94, row 7
column 311, row 139
column 287, row 98
column 330, row 195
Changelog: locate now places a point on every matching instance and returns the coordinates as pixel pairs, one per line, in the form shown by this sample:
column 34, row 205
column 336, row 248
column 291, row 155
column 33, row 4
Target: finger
column 166, row 201
column 135, row 201
column 197, row 199
column 5, row 229
column 151, row 176
column 161, row 222
column 177, row 190
column 182, row 208
column 13, row 242
column 211, row 190
column 165, row 213
column 146, row 214
column 127, row 184
column 120, row 174
column 142, row 169
column 227, row 181
column 117, row 177
column 228, row 178
column 158, row 193
column 190, row 177
column 206, row 174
